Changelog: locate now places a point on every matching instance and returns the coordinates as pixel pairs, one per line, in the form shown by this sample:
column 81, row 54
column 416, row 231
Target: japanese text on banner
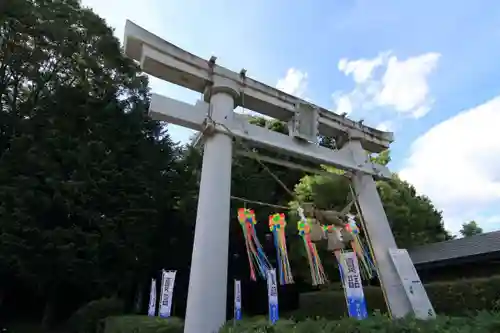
column 237, row 300
column 272, row 292
column 356, row 304
column 167, row 290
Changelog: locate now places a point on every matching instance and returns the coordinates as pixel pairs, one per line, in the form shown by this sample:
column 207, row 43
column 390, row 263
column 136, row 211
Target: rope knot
column 209, row 128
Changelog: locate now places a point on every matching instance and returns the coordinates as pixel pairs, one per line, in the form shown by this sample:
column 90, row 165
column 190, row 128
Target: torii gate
column 223, row 91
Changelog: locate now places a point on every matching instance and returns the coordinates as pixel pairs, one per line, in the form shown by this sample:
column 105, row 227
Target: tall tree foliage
column 84, row 174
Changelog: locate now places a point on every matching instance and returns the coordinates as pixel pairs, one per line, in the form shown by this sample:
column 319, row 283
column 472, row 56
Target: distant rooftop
column 482, row 244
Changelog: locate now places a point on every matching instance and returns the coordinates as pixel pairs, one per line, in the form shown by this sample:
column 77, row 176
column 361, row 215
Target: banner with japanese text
column 152, row 299
column 167, row 290
column 272, row 293
column 237, row 300
column 356, row 304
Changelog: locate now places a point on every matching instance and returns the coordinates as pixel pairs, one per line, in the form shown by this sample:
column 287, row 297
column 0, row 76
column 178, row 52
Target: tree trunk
column 138, row 299
column 48, row 313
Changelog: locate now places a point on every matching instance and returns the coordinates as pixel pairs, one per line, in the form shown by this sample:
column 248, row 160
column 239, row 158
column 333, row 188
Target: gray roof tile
column 457, row 248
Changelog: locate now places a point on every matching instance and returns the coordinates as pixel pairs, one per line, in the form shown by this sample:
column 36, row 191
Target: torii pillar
column 380, row 234
column 206, row 302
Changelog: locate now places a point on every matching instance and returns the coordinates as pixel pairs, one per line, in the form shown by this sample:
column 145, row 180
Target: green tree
column 413, row 218
column 85, row 176
column 383, row 157
column 470, row 229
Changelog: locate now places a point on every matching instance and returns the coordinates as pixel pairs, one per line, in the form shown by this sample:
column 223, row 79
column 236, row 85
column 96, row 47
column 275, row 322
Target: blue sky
column 426, row 70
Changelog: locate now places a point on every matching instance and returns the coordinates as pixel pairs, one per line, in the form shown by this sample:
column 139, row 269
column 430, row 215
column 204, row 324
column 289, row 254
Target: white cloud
column 294, row 83
column 405, row 86
column 343, row 104
column 361, row 69
column 457, row 163
column 386, row 126
column 402, row 88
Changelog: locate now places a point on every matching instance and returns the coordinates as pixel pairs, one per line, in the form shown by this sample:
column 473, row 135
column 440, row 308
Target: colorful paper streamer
column 277, row 224
column 257, row 259
column 318, row 275
column 368, row 269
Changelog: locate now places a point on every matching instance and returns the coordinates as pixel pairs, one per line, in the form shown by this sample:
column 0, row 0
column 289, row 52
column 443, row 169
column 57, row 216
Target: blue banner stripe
column 273, row 313
column 357, row 307
column 237, row 314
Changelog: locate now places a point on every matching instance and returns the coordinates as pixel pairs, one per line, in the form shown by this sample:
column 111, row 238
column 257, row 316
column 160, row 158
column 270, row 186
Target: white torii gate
column 223, row 91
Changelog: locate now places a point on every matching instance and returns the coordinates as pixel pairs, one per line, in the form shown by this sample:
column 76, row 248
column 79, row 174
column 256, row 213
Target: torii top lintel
column 169, row 62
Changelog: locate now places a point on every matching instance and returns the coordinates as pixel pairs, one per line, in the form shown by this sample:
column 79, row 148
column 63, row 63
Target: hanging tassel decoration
column 337, row 247
column 257, row 259
column 277, row 224
column 330, row 229
column 369, row 270
column 317, row 272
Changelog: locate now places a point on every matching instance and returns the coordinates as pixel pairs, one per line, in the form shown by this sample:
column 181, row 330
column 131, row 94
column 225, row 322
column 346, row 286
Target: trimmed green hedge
column 456, row 298
column 483, row 322
column 89, row 317
column 142, row 324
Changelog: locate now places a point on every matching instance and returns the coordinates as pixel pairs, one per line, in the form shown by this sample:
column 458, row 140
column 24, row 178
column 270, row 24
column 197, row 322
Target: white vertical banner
column 152, row 299
column 414, row 288
column 167, row 290
column 237, row 300
column 356, row 304
column 272, row 295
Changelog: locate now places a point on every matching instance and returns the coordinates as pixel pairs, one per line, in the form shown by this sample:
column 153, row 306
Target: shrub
column 465, row 296
column 142, row 324
column 456, row 298
column 88, row 318
column 332, row 304
column 484, row 323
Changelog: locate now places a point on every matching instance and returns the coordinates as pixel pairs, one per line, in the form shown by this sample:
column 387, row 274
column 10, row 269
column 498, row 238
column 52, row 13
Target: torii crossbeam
column 223, row 91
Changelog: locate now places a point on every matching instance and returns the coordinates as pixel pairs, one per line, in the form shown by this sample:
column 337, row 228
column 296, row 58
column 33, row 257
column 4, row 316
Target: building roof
column 481, row 244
